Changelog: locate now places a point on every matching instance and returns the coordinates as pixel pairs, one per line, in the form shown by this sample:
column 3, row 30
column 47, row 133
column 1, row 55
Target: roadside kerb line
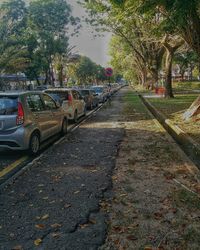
column 13, row 166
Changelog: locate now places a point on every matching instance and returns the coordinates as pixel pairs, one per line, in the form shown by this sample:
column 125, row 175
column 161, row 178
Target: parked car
column 42, row 87
column 90, row 97
column 101, row 91
column 71, row 101
column 29, row 118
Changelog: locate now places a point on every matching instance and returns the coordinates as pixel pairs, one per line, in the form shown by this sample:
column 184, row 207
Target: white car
column 71, row 101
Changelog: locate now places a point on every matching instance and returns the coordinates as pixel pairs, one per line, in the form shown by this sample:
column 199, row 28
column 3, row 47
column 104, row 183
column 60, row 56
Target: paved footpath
column 118, row 179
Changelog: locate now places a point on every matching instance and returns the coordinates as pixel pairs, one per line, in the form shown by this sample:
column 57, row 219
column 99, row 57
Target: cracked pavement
column 55, row 204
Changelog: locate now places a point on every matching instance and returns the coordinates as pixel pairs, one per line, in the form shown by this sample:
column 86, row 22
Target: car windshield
column 8, row 105
column 98, row 89
column 84, row 92
column 58, row 96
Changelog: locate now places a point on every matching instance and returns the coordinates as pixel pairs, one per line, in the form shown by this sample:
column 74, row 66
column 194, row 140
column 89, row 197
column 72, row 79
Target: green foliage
column 87, row 71
column 32, row 35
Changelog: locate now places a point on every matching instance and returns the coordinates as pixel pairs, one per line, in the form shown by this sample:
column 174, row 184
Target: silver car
column 29, row 118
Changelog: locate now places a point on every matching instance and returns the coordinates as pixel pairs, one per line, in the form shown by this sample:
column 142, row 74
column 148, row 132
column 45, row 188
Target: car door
column 41, row 117
column 81, row 103
column 76, row 103
column 56, row 113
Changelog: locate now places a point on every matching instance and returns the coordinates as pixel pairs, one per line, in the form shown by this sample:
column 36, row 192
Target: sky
column 86, row 44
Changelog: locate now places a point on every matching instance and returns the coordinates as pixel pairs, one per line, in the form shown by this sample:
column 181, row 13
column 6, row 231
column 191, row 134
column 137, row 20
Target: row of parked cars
column 29, row 118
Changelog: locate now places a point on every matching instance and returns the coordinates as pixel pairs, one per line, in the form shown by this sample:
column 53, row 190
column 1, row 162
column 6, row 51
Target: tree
column 134, row 30
column 186, row 59
column 12, row 48
column 180, row 16
column 49, row 22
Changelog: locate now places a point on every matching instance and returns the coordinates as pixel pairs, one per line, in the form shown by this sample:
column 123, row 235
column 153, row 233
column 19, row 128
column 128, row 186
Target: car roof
column 18, row 93
column 59, row 89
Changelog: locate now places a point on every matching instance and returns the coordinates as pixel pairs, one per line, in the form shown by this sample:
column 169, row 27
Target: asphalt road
column 55, row 203
column 7, row 157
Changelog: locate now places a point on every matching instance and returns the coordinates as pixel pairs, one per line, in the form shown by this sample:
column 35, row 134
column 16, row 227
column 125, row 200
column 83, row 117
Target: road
column 55, row 204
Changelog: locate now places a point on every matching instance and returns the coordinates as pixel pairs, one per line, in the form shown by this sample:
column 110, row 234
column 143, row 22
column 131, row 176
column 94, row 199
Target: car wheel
column 64, row 127
column 34, row 144
column 75, row 116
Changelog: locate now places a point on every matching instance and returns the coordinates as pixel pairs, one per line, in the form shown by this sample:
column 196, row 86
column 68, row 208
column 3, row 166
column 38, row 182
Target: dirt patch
column 156, row 191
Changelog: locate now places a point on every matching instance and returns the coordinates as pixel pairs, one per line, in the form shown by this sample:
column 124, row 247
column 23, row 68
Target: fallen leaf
column 37, row 242
column 93, row 171
column 55, row 235
column 82, row 226
column 148, row 248
column 131, row 237
column 41, row 185
column 46, row 216
column 56, row 225
column 92, row 222
column 51, row 202
column 17, row 248
column 158, row 216
column 40, row 226
column 45, row 198
column 77, row 192
column 67, row 205
column 122, row 195
column 118, row 229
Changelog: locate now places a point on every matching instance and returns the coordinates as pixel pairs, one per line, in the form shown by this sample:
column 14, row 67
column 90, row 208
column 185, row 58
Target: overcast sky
column 86, row 44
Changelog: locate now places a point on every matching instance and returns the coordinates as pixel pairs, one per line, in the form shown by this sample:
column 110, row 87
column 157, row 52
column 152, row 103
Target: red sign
column 109, row 72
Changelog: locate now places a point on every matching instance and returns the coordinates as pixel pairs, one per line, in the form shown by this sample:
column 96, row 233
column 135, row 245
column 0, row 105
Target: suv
column 29, row 118
column 71, row 100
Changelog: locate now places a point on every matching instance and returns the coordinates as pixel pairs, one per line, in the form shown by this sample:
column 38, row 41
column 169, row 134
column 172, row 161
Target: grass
column 183, row 197
column 170, row 106
column 186, row 86
column 135, row 106
column 174, row 109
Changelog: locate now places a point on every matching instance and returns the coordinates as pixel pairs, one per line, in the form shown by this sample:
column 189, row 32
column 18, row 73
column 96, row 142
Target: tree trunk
column 143, row 77
column 61, row 75
column 168, row 74
column 36, row 78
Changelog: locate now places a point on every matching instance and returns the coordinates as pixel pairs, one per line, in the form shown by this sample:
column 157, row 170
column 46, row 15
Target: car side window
column 49, row 102
column 75, row 95
column 35, row 103
column 79, row 96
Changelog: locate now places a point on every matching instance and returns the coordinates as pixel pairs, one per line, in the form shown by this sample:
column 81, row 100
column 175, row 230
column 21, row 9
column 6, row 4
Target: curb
column 189, row 146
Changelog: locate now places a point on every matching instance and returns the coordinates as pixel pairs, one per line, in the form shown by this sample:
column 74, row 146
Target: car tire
column 34, row 144
column 76, row 116
column 64, row 127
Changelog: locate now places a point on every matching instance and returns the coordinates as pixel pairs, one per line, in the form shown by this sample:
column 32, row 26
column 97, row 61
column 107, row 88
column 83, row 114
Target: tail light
column 20, row 114
column 70, row 99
